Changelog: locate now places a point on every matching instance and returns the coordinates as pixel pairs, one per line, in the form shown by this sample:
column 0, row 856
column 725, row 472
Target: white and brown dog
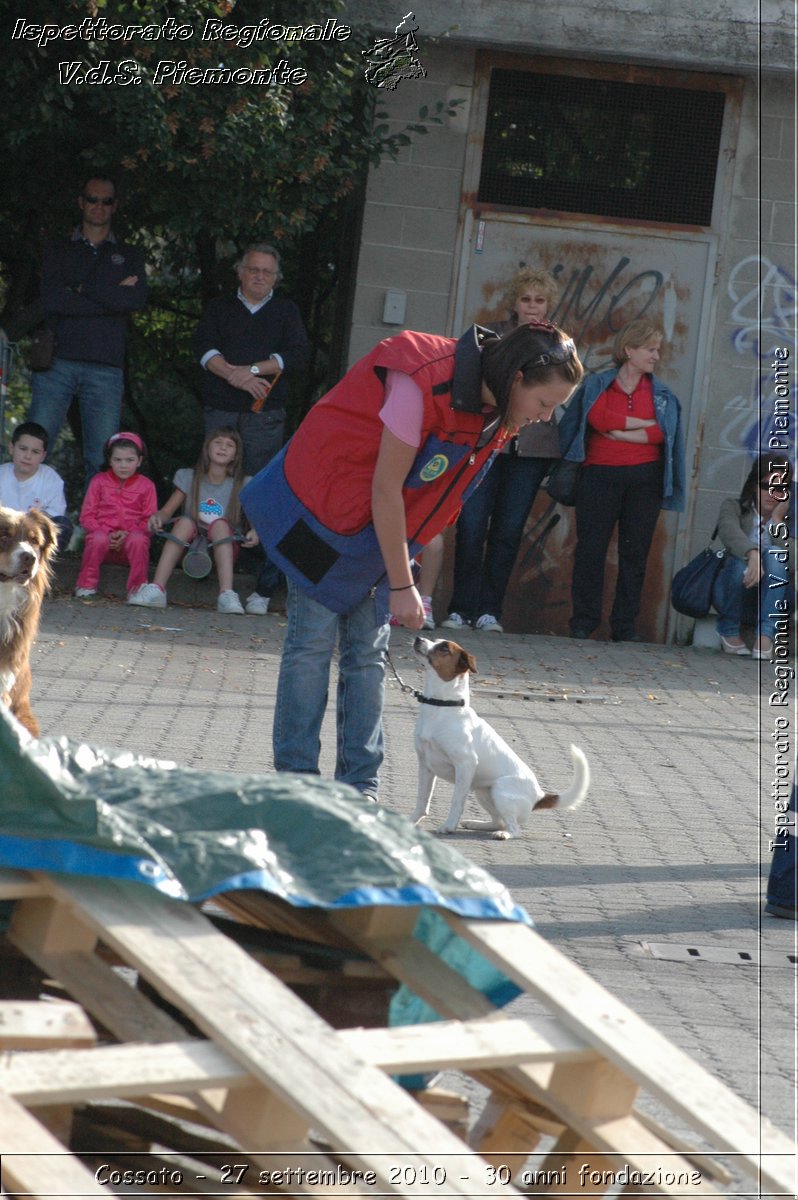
column 27, row 544
column 454, row 744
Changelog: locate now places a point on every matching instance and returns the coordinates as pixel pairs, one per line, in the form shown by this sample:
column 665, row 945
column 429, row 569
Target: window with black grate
column 600, row 146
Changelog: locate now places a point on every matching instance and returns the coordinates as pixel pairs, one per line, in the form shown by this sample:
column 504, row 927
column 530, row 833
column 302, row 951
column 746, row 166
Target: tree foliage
column 201, row 170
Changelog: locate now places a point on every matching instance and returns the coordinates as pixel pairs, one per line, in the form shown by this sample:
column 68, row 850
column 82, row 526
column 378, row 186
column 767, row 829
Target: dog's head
column 446, row 658
column 27, row 544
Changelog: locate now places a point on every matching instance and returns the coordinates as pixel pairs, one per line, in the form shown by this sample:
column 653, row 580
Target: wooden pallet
column 239, row 1077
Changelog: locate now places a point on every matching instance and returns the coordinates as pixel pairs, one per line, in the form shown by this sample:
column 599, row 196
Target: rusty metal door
column 608, row 275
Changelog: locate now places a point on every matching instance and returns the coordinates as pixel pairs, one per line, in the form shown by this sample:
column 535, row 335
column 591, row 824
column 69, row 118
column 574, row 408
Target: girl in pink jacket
column 118, row 505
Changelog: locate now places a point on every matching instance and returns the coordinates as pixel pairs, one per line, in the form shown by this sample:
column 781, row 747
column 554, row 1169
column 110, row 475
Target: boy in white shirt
column 26, row 482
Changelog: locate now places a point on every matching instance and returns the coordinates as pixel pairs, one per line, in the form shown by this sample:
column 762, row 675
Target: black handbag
column 562, row 481
column 692, row 589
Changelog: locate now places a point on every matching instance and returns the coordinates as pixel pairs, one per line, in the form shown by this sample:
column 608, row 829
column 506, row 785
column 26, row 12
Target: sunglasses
column 106, row 201
column 558, row 353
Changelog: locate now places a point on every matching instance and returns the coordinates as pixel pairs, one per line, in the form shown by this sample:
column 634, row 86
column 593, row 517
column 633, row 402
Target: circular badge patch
column 435, row 467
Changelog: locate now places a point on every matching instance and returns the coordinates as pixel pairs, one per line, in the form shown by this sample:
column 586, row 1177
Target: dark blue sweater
column 242, row 338
column 86, row 305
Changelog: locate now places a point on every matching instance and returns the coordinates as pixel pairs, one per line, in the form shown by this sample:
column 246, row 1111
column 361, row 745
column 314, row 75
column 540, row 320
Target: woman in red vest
column 380, row 465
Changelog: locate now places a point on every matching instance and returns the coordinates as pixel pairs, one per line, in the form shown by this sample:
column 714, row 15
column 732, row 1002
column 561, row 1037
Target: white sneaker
column 487, row 623
column 429, row 620
column 149, row 595
column 84, row 593
column 454, row 621
column 229, row 602
column 257, row 606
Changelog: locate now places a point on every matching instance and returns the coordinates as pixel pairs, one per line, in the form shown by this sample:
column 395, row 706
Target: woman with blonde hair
column 624, row 426
column 492, row 522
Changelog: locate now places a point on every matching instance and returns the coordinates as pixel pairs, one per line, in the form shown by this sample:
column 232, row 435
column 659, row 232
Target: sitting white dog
column 454, row 744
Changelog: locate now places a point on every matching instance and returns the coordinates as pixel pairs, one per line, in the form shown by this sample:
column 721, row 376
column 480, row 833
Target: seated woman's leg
column 728, row 598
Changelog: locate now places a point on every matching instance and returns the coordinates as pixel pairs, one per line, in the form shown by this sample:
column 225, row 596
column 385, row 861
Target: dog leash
column 422, row 699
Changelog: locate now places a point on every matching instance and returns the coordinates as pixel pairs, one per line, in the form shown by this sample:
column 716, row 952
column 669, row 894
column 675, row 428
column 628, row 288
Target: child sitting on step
column 208, row 497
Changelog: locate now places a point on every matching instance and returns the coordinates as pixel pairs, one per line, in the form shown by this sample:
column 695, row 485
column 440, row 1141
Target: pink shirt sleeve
column 403, row 410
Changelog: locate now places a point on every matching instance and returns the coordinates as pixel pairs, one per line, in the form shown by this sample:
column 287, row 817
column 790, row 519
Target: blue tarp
column 69, row 807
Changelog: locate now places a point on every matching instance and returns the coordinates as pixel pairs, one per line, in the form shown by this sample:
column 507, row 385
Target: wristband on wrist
column 406, row 588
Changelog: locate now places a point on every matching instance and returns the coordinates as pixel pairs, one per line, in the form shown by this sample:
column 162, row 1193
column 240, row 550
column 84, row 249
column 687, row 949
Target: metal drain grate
column 674, row 952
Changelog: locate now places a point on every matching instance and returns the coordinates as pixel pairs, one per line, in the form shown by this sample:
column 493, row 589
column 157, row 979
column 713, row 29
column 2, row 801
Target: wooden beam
column 627, row 1041
column 466, row 1045
column 34, row 1163
column 270, row 1032
column 31, row 1024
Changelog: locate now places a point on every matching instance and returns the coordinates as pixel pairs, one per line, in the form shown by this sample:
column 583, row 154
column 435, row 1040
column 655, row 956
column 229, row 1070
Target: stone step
column 181, row 589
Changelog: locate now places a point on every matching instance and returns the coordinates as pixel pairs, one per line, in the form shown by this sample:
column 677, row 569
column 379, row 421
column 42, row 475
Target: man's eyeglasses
column 106, row 201
column 259, row 271
column 559, row 353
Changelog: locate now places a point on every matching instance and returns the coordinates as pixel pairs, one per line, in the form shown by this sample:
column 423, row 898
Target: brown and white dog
column 454, row 744
column 27, row 544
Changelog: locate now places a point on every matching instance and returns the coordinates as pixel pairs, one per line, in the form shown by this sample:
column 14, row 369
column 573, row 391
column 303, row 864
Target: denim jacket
column 667, row 410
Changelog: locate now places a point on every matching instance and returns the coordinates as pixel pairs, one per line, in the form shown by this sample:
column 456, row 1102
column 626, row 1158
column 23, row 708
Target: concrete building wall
column 414, row 207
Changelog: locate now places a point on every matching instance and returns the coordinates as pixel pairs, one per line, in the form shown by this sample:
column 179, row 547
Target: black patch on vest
column 309, row 553
column 440, row 389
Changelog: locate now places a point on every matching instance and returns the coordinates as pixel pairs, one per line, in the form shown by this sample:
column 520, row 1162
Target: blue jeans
column 303, row 686
column 489, row 532
column 737, row 605
column 99, row 390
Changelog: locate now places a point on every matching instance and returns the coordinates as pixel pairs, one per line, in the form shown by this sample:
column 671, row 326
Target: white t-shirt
column 44, row 490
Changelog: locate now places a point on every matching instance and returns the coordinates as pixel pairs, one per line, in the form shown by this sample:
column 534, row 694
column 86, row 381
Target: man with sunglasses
column 91, row 282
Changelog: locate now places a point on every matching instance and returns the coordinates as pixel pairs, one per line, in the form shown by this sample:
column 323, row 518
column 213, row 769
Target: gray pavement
column 667, row 849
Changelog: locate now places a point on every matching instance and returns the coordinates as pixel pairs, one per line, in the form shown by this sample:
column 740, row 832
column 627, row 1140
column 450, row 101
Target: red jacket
column 329, row 463
column 111, row 503
column 311, row 505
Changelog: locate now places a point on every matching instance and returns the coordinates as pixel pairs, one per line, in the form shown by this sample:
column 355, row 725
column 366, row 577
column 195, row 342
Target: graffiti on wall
column 764, row 313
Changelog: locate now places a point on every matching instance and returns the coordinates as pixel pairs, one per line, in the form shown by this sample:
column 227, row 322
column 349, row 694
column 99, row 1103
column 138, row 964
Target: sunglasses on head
column 558, row 353
column 106, row 201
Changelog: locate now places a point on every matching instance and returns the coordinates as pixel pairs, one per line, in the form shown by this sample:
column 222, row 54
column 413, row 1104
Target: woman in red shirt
column 633, row 460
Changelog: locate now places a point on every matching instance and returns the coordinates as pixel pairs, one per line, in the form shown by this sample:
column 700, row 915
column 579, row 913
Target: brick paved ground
column 666, row 849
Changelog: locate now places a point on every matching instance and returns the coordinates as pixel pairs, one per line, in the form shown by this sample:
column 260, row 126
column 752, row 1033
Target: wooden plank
column 451, row 996
column 30, row 1024
column 281, row 1041
column 58, row 1077
column 605, row 1022
column 120, row 1072
column 34, row 1163
column 465, row 1045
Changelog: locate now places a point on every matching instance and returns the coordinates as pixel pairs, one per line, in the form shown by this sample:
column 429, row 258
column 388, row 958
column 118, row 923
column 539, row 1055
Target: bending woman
column 379, row 465
column 624, row 424
column 754, row 579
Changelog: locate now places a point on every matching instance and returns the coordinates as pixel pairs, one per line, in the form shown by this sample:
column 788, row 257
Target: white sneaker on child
column 149, row 595
column 84, row 593
column 429, row 620
column 229, row 602
column 257, row 606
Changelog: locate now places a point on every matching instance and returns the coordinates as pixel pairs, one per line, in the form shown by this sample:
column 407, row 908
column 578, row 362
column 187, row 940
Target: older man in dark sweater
column 91, row 282
column 248, row 341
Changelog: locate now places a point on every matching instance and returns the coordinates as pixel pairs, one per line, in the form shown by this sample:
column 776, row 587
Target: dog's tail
column 578, row 789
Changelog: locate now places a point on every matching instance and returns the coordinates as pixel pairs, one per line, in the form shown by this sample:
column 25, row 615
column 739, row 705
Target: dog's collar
column 422, row 699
